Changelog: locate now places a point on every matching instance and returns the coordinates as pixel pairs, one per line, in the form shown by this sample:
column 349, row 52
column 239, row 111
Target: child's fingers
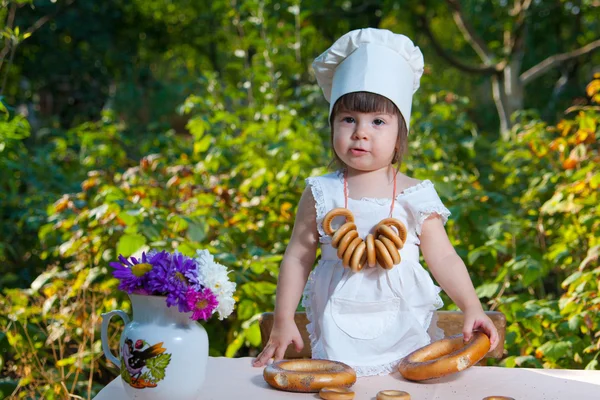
column 492, row 333
column 299, row 343
column 264, row 357
column 468, row 328
column 280, row 352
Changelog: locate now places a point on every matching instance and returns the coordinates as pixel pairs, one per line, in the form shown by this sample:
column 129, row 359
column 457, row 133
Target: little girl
column 372, row 318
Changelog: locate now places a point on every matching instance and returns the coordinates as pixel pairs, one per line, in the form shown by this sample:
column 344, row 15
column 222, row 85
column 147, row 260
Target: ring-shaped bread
column 308, row 375
column 392, row 395
column 357, row 262
column 391, row 248
column 402, row 232
column 345, row 242
column 384, row 258
column 341, row 232
column 336, row 212
column 371, row 255
column 350, row 250
column 389, row 233
column 444, row 357
column 336, row 393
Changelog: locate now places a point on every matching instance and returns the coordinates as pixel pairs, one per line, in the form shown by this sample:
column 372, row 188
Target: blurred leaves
column 117, row 171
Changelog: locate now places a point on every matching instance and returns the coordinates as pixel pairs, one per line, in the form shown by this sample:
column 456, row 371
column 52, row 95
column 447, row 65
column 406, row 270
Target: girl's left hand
column 478, row 320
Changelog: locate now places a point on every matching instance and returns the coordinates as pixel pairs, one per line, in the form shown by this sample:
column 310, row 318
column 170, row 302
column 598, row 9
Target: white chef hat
column 371, row 60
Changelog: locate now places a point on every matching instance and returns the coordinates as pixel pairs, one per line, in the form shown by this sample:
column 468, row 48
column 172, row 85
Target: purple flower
column 168, row 278
column 132, row 273
column 202, row 303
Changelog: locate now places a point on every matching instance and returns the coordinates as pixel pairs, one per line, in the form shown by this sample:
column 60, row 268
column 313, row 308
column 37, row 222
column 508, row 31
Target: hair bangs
column 365, row 102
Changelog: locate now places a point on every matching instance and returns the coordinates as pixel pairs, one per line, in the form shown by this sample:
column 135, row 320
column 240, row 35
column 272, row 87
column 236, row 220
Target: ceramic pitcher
column 162, row 352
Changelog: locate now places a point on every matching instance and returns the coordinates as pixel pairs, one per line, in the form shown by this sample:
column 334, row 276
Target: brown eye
column 379, row 122
column 348, row 120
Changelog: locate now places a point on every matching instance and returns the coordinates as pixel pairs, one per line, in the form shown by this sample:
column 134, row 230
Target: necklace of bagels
column 382, row 247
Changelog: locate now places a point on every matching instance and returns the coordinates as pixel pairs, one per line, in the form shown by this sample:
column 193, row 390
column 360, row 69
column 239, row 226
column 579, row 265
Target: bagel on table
column 336, row 393
column 444, row 357
column 308, row 375
column 392, row 395
column 498, row 398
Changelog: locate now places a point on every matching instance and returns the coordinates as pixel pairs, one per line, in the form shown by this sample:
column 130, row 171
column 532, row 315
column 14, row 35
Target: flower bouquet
column 163, row 352
column 199, row 285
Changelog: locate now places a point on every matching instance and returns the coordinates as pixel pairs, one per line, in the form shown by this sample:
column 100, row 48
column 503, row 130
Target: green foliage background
column 192, row 125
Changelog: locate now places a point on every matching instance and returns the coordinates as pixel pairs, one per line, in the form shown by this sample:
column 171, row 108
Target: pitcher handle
column 104, row 333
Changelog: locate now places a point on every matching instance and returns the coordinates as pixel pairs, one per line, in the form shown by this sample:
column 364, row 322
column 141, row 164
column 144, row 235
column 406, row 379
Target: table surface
column 474, row 383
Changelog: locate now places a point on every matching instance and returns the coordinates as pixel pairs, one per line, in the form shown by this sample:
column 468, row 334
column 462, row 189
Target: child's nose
column 360, row 132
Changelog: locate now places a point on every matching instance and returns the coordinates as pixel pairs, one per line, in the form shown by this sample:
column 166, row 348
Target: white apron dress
column 373, row 318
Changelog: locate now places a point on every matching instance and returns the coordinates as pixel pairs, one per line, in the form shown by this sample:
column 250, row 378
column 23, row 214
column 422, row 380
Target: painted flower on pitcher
column 199, row 285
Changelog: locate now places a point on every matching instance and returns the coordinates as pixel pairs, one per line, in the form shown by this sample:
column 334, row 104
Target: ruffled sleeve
column 421, row 202
column 317, row 191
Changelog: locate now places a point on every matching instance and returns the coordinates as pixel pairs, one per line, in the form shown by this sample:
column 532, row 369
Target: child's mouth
column 358, row 152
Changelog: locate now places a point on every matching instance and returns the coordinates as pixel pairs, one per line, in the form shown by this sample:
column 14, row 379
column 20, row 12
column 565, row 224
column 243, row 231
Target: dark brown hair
column 367, row 102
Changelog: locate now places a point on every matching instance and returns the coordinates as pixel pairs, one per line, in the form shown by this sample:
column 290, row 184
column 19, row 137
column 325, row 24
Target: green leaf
column 556, row 350
column 253, row 335
column 129, row 244
column 202, row 145
column 197, row 230
column 476, row 253
column 487, row 290
column 158, row 364
column 246, row 309
column 574, row 323
column 519, row 361
column 235, row 345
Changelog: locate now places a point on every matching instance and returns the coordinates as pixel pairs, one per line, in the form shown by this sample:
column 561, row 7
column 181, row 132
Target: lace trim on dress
column 385, row 200
column 315, row 344
column 317, row 192
column 371, row 370
column 434, row 331
column 426, row 212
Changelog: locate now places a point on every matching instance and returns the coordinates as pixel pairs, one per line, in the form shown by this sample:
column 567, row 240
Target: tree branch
column 555, row 60
column 469, row 33
column 9, row 24
column 481, row 69
column 520, row 10
column 36, row 25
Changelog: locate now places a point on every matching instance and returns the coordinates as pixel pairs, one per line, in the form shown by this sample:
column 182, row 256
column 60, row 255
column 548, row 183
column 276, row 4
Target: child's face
column 365, row 141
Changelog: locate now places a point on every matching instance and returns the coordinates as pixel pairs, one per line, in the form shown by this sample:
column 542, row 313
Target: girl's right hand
column 281, row 337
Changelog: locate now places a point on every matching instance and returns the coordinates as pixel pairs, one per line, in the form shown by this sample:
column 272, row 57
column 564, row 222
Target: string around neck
column 347, row 193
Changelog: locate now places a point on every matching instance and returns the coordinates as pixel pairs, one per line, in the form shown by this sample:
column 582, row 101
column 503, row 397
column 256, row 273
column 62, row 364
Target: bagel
column 336, row 212
column 310, row 375
column 345, row 243
column 358, row 257
column 391, row 248
column 371, row 255
column 389, row 233
column 342, row 232
column 392, row 395
column 402, row 232
column 444, row 357
column 336, row 393
column 498, row 398
column 350, row 250
column 383, row 255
